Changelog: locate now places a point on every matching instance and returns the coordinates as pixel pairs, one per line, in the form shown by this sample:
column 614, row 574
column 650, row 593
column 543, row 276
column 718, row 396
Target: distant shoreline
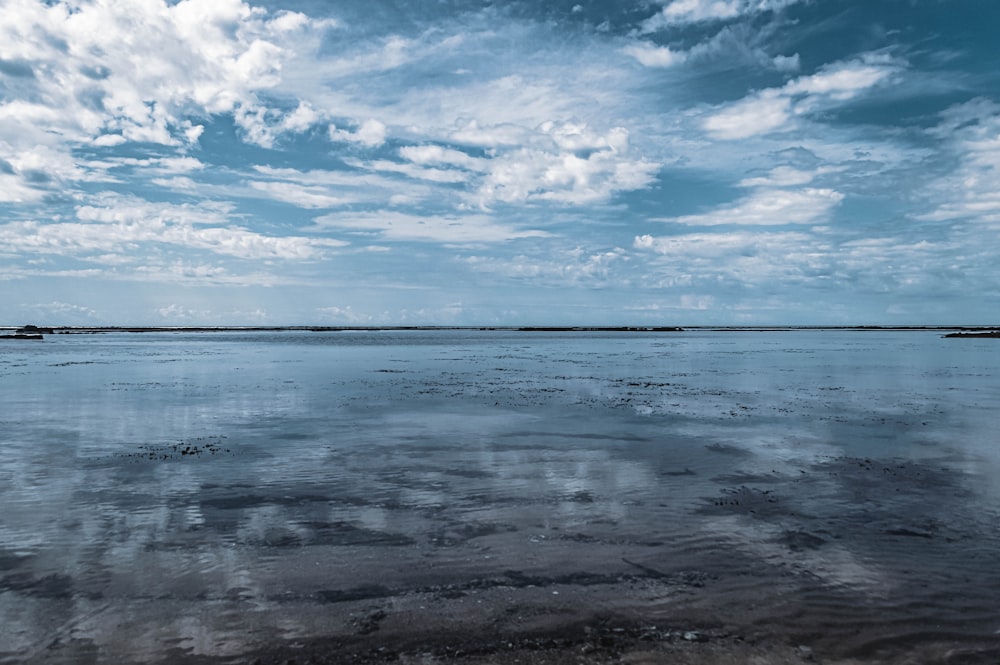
column 954, row 331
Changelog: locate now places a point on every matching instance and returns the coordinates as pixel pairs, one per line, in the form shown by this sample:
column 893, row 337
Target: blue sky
column 672, row 162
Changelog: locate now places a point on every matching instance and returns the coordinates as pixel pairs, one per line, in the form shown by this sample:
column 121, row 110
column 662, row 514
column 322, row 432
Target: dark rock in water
column 20, row 335
column 966, row 335
column 28, row 332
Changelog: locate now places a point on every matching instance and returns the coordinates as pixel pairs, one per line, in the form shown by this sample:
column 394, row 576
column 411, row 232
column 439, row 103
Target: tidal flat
column 500, row 496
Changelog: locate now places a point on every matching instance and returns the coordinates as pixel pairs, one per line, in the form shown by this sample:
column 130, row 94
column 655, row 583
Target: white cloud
column 14, row 190
column 530, row 175
column 770, row 207
column 125, row 225
column 302, row 118
column 843, row 82
column 61, row 310
column 566, row 163
column 650, row 55
column 388, row 53
column 679, row 12
column 573, row 136
column 179, row 313
column 971, row 132
column 370, row 133
column 435, row 154
column 298, row 195
column 151, row 61
column 152, row 165
column 684, row 302
column 347, row 316
column 774, row 109
column 583, row 168
column 111, row 72
column 714, row 245
column 787, row 176
column 109, row 140
column 574, row 266
column 492, row 136
column 786, row 63
column 419, row 173
column 822, row 259
column 741, row 257
column 362, row 183
column 467, row 229
column 758, row 114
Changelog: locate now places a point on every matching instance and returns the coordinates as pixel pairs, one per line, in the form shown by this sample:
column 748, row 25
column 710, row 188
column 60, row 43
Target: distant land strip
column 954, row 331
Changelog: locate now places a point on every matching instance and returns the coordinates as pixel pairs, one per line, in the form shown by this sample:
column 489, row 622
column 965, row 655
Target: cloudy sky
column 368, row 162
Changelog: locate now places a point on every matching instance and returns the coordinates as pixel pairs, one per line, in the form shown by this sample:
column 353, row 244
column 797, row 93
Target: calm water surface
column 169, row 493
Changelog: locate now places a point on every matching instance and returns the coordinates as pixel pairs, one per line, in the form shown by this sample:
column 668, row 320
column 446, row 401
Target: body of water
column 183, row 495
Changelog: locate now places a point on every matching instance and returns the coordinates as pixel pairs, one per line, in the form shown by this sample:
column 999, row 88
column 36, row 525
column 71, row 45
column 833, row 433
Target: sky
column 463, row 162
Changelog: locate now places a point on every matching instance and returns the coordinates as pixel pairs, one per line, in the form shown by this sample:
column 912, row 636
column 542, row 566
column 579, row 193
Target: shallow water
column 170, row 494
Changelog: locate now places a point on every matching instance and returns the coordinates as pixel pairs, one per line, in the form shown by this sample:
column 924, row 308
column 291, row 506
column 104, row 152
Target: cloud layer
column 733, row 160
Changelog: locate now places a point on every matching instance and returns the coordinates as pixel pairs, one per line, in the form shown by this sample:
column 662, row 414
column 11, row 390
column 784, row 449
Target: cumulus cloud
column 302, row 118
column 531, row 175
column 107, row 73
column 370, row 133
column 149, row 63
column 565, row 163
column 581, row 167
